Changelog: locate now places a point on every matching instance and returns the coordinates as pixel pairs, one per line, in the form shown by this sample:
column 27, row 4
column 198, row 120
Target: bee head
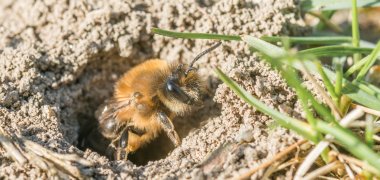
column 184, row 87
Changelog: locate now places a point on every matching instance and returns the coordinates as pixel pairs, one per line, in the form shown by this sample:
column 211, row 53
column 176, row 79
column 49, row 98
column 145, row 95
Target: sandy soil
column 60, row 59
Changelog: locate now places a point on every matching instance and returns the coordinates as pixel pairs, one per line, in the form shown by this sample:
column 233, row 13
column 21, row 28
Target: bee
column 145, row 101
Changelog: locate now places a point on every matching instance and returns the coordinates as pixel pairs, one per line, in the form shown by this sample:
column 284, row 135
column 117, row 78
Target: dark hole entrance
column 97, row 90
column 97, row 82
column 159, row 148
column 90, row 138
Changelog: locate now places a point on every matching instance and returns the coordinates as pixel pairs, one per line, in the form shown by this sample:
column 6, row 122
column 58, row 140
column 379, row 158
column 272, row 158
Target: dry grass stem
column 55, row 164
column 322, row 170
column 368, row 110
column 327, row 178
column 376, row 138
column 310, row 159
column 358, row 162
column 376, row 128
column 314, row 154
column 351, row 116
column 356, row 168
column 270, row 170
column 357, row 124
column 287, row 164
column 283, row 153
column 297, row 160
column 12, row 150
column 346, row 166
column 322, row 92
column 348, row 169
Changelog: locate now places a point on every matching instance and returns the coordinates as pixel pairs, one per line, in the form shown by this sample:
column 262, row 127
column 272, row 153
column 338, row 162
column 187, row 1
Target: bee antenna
column 202, row 54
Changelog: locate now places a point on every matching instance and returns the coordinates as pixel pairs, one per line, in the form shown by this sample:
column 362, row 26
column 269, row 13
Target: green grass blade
column 323, row 5
column 355, row 24
column 266, row 48
column 358, row 91
column 369, row 131
column 275, row 56
column 338, row 63
column 327, row 15
column 343, row 136
column 273, row 50
column 326, row 81
column 298, row 126
column 360, row 64
column 369, row 63
column 355, row 29
column 299, row 40
column 320, row 40
column 188, row 35
column 368, row 88
column 335, row 51
column 353, row 144
column 293, row 81
column 357, row 66
column 360, row 96
column 372, row 89
column 334, row 27
column 353, row 91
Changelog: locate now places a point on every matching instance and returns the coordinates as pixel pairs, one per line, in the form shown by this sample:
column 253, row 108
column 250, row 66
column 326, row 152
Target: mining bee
column 145, row 101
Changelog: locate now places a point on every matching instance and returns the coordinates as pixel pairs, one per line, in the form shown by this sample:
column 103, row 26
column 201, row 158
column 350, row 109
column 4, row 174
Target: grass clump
column 348, row 96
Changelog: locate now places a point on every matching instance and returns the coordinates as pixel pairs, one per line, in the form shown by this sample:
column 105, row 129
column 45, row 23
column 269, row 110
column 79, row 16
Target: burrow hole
column 97, row 81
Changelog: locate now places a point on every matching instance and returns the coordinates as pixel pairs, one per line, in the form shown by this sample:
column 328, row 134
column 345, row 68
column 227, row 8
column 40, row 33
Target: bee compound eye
column 170, row 86
column 176, row 91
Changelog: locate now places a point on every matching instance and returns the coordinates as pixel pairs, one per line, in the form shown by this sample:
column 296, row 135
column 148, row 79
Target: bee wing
column 109, row 125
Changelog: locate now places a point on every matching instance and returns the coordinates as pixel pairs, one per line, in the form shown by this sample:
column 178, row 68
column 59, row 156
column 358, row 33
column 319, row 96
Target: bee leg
column 168, row 127
column 122, row 152
column 111, row 151
column 117, row 148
